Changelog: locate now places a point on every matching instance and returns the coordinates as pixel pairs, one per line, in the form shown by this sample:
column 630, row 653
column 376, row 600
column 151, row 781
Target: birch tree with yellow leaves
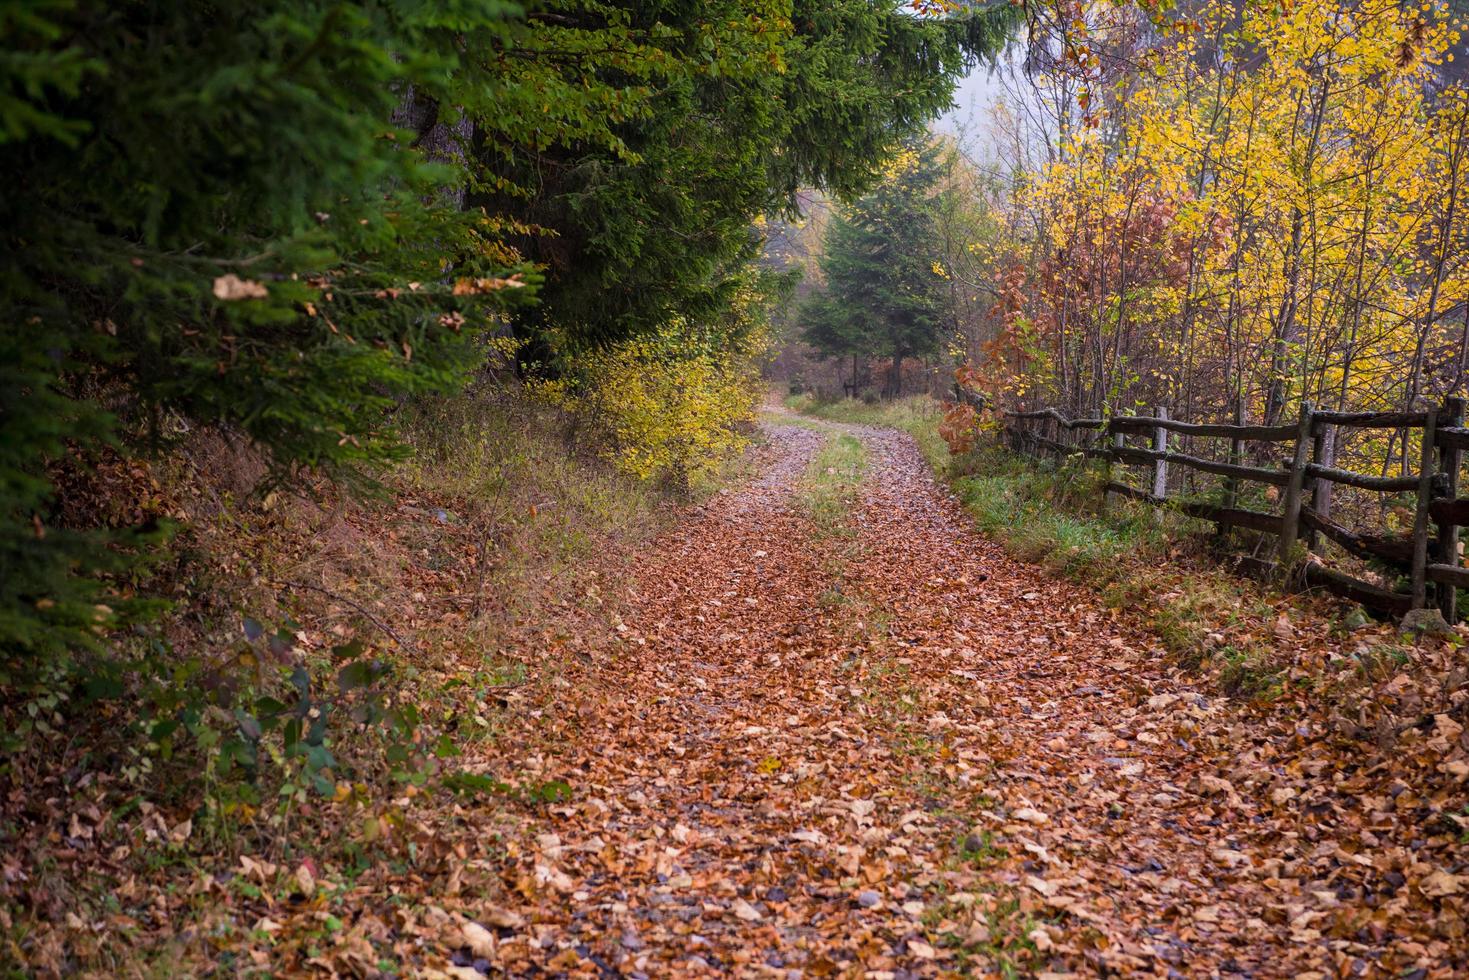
column 1243, row 207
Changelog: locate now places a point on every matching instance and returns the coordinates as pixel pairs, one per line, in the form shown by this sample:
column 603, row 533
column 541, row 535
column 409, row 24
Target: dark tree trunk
column 437, row 139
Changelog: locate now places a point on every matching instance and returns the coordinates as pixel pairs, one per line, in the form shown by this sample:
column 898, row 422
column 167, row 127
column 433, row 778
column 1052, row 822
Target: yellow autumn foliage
column 1268, row 208
column 674, row 404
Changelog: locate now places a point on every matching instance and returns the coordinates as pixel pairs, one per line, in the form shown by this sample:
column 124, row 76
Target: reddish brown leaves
column 897, row 752
column 909, row 752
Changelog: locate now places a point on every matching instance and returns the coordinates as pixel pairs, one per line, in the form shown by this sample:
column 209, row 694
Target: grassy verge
column 1164, row 568
column 532, row 510
column 989, row 930
column 829, row 493
column 415, row 630
column 917, row 415
column 829, row 488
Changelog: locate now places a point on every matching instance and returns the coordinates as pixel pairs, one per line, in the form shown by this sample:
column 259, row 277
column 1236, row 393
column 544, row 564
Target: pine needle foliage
column 725, row 109
column 885, row 293
column 209, row 219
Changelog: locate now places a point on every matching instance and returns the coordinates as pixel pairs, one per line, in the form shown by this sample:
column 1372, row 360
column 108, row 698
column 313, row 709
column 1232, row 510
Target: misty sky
column 973, row 99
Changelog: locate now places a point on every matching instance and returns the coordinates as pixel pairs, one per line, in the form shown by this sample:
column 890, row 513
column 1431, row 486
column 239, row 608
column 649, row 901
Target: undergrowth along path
column 887, row 749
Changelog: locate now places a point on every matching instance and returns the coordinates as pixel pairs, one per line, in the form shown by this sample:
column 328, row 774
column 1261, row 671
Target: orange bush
column 959, row 428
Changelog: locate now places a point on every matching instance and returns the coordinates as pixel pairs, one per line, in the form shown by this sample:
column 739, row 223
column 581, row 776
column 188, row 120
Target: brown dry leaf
column 305, row 880
column 555, row 877
column 1046, row 888
column 921, row 949
column 481, row 941
column 502, row 918
column 231, row 288
column 1213, row 784
column 1441, row 884
column 456, row 973
column 744, row 910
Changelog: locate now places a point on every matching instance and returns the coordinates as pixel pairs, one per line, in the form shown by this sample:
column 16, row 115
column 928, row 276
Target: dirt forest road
column 897, row 752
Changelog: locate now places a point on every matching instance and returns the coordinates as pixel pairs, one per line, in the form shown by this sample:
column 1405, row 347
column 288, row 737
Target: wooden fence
column 1429, row 554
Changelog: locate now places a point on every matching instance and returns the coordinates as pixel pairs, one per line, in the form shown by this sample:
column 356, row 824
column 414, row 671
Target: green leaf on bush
column 358, row 674
column 319, row 757
column 554, row 791
column 348, row 651
column 467, row 783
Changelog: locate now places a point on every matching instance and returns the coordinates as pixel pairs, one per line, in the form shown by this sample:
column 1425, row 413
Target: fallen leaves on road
column 893, row 753
column 913, row 755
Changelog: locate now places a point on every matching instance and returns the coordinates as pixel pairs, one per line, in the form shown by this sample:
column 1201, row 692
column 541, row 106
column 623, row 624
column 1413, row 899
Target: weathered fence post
column 1236, row 458
column 1290, row 521
column 1449, row 459
column 1312, row 458
column 1420, row 516
column 1323, row 453
column 1117, row 441
column 1160, row 465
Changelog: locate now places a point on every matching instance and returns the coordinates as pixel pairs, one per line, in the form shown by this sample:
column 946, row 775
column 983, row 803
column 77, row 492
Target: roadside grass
column 987, row 929
column 795, row 421
column 998, row 934
column 917, row 415
column 829, row 492
column 1136, row 557
column 1159, row 563
column 473, row 581
column 898, row 413
column 533, row 508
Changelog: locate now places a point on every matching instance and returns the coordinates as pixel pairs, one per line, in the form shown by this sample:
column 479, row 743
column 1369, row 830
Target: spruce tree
column 725, row 117
column 210, row 220
column 883, row 294
column 284, row 218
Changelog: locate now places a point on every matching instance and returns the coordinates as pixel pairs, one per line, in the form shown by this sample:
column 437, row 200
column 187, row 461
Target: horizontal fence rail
column 1302, row 486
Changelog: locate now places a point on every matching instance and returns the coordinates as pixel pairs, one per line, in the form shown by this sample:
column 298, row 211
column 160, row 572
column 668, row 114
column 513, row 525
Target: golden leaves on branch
column 491, row 284
column 230, row 288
